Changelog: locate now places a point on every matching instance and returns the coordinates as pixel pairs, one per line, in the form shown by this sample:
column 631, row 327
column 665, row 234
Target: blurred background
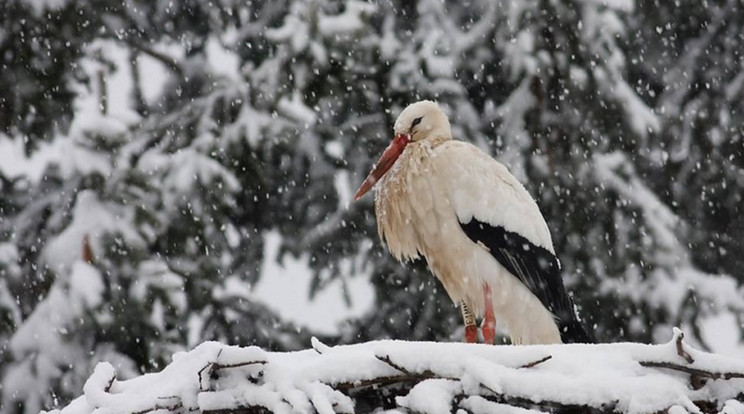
column 179, row 171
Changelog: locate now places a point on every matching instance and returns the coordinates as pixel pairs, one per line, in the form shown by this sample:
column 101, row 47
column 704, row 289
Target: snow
column 513, row 126
column 155, row 276
column 722, row 333
column 118, row 83
column 432, row 396
column 389, row 44
column 40, row 6
column 295, row 109
column 185, row 168
column 14, row 162
column 642, row 118
column 220, row 377
column 66, row 150
column 42, row 336
column 519, row 53
column 63, row 305
column 348, row 21
column 90, row 217
column 222, row 62
column 153, row 76
column 86, row 284
column 8, row 253
column 342, row 183
column 620, row 5
column 733, row 407
column 269, row 86
column 178, row 383
column 294, row 31
column 335, row 149
column 285, row 288
column 665, row 288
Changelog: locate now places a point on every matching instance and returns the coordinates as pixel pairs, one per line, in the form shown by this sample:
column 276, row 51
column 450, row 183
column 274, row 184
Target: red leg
column 471, row 330
column 489, row 320
column 471, row 334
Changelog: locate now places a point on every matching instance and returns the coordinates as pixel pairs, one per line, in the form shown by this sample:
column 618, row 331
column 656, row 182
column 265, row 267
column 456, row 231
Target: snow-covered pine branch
column 426, row 377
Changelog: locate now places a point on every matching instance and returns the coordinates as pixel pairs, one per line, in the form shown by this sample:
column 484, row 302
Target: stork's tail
column 573, row 332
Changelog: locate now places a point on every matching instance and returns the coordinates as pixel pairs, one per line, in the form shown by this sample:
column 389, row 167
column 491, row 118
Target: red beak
column 387, row 159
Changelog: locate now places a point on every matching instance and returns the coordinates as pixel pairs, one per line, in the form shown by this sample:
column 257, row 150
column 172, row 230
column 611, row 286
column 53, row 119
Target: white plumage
column 453, row 204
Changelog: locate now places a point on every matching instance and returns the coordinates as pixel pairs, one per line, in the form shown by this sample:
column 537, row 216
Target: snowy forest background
column 207, row 151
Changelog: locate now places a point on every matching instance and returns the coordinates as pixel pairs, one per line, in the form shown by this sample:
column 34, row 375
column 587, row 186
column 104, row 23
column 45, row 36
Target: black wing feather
column 536, row 267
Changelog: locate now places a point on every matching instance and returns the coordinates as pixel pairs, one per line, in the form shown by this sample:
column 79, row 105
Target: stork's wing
column 478, row 187
column 535, row 266
column 495, row 211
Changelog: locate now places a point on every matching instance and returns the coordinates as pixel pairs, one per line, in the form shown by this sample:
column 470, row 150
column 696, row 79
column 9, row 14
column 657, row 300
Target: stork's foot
column 488, row 326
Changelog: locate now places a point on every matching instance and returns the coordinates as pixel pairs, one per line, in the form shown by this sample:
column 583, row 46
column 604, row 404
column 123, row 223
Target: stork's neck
column 439, row 133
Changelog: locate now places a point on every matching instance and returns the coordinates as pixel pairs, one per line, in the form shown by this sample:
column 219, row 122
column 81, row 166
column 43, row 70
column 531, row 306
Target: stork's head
column 419, row 121
column 422, row 120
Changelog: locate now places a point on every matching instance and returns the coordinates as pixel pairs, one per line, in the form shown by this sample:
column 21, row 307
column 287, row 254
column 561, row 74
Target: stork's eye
column 416, row 122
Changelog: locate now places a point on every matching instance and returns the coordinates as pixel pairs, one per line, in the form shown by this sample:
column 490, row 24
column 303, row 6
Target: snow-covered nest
column 426, row 377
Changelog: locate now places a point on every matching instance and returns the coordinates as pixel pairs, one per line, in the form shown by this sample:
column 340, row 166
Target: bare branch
column 379, row 381
column 539, row 361
column 319, row 346
column 681, row 350
column 201, row 378
column 386, row 359
column 239, row 364
column 172, row 407
column 212, row 367
column 692, row 371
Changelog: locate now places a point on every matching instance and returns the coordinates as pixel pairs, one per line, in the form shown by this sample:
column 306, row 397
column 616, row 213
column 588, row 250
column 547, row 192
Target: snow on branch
column 425, row 377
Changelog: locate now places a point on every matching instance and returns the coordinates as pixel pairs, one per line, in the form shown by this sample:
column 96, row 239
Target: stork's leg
column 489, row 320
column 471, row 330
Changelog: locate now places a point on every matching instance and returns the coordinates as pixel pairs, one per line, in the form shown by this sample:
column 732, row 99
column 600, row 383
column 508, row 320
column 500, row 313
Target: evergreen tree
column 694, row 165
column 273, row 112
column 697, row 93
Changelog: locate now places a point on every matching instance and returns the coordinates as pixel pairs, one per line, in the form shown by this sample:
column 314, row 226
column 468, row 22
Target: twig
column 407, row 376
column 250, row 409
column 213, row 366
column 157, row 407
column 110, row 384
column 539, row 361
column 201, row 381
column 681, row 351
column 551, row 406
column 386, row 359
column 381, row 381
column 319, row 346
column 239, row 364
column 693, row 371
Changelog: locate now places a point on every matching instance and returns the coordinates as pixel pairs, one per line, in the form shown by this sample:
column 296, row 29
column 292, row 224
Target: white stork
column 480, row 231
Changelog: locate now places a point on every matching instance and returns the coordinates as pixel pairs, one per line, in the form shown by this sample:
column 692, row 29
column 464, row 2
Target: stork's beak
column 387, row 159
